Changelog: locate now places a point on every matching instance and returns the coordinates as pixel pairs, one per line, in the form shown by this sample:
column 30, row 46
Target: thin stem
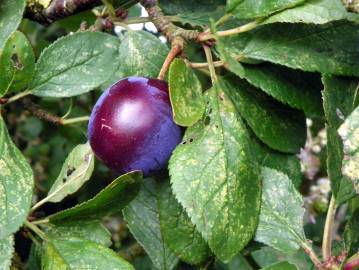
column 243, row 28
column 74, row 120
column 209, row 57
column 18, row 96
column 312, row 255
column 328, row 230
column 35, row 229
column 41, row 221
column 176, row 49
column 215, row 63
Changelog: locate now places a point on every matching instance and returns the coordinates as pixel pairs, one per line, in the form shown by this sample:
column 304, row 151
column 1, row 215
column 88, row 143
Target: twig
column 209, row 57
column 328, row 230
column 40, row 113
column 57, row 9
column 175, row 49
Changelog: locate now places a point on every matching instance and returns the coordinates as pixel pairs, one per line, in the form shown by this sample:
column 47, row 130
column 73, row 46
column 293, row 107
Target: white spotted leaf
column 313, row 11
column 75, row 64
column 349, row 132
column 185, row 93
column 6, row 252
column 16, row 185
column 281, row 217
column 143, row 221
column 91, row 230
column 214, row 176
column 177, row 229
column 72, row 253
column 76, row 171
column 10, row 17
column 17, row 63
column 300, row 46
column 248, row 9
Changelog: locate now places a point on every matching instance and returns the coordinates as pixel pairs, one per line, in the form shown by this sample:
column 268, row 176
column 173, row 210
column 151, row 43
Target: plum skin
column 131, row 126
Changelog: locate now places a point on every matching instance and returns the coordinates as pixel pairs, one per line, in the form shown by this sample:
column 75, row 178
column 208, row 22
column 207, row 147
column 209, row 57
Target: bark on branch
column 48, row 11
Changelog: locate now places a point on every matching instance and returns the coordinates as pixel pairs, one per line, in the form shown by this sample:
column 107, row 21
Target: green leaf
column 349, row 132
column 300, row 90
column 339, row 100
column 281, row 218
column 175, row 7
column 143, row 222
column 16, row 185
column 238, row 262
column 90, row 230
column 300, row 46
column 76, row 253
column 178, row 232
column 75, row 64
column 200, row 18
column 76, row 171
column 312, row 11
column 185, row 94
column 140, row 54
column 215, row 177
column 351, row 233
column 109, row 201
column 249, row 9
column 281, row 266
column 17, row 63
column 278, row 126
column 286, row 163
column 6, row 251
column 266, row 256
column 10, row 17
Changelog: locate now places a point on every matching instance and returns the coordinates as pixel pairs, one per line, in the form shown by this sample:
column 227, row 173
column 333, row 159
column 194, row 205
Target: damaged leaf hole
column 16, row 62
column 189, row 141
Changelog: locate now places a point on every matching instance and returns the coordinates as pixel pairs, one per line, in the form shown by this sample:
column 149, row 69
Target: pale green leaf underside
column 75, row 64
column 143, row 222
column 340, row 97
column 281, row 266
column 281, row 218
column 16, row 185
column 91, row 230
column 349, row 132
column 300, row 46
column 248, row 9
column 109, row 201
column 178, row 231
column 17, row 63
column 185, row 93
column 6, row 252
column 312, row 11
column 214, row 177
column 76, row 170
column 73, row 253
column 278, row 126
column 140, row 54
column 10, row 17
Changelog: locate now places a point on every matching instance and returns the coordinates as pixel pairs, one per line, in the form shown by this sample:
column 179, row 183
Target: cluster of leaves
column 235, row 179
